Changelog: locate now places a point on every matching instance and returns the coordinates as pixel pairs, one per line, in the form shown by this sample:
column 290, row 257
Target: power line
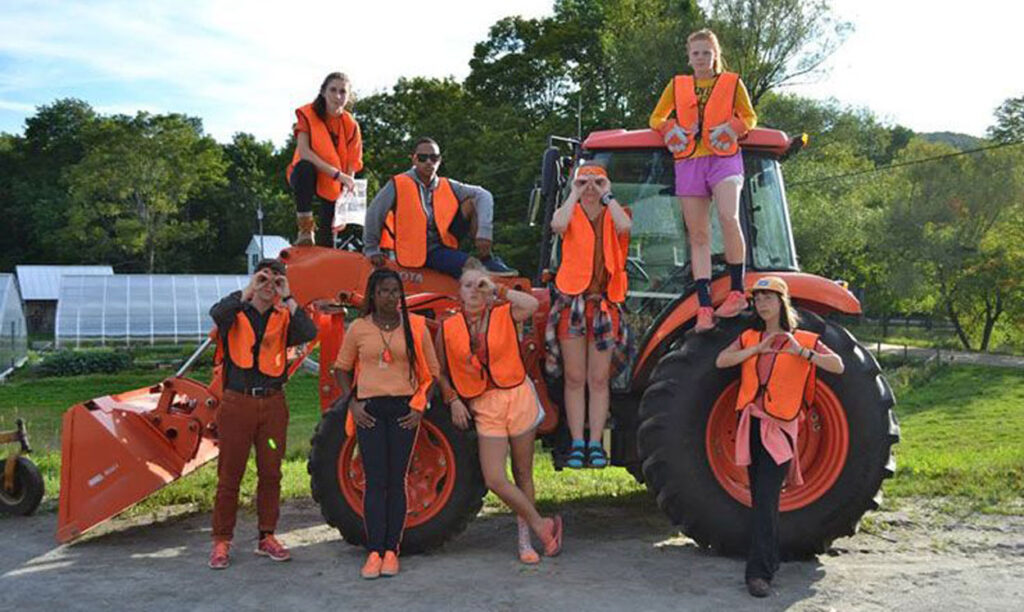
column 906, row 163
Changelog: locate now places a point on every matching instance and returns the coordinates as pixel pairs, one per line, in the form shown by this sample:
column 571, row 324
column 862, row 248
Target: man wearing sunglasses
column 255, row 327
column 421, row 217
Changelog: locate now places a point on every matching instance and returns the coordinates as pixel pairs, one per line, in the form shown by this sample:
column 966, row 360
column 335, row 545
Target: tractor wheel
column 686, row 442
column 27, row 491
column 445, row 485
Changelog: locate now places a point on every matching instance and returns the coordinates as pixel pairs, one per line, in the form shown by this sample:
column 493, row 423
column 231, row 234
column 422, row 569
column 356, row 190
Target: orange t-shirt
column 599, row 278
column 365, row 343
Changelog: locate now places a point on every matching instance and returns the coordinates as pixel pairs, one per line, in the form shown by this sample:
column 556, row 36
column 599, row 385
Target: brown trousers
column 245, row 421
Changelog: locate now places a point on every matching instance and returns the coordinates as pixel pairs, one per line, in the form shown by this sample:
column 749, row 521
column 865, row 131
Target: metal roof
column 43, row 282
column 272, row 245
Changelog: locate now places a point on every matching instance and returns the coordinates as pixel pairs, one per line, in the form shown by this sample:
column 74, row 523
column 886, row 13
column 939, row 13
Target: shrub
column 92, row 361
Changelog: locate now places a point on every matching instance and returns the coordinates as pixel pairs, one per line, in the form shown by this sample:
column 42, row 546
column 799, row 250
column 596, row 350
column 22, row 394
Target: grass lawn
column 962, row 431
column 963, row 437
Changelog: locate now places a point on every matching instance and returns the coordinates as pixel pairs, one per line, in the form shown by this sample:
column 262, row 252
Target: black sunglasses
column 422, row 157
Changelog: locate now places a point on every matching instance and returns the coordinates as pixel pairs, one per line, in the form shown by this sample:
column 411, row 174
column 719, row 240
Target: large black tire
column 464, row 503
column 671, row 440
column 28, row 488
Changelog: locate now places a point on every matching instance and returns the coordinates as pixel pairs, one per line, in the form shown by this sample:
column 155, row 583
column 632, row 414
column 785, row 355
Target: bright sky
column 929, row 65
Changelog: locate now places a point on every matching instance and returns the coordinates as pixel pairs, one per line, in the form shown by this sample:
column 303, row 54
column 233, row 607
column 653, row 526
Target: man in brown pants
column 255, row 327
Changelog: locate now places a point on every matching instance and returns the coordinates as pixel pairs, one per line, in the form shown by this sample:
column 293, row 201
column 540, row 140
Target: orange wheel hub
column 429, row 483
column 823, row 442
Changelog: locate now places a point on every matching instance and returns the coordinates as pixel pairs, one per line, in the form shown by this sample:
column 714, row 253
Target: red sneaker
column 389, row 566
column 219, row 555
column 371, row 569
column 269, row 546
column 734, row 304
column 705, row 319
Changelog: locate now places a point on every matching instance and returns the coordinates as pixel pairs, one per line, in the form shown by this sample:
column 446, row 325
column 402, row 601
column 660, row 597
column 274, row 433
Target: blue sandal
column 596, row 457
column 576, row 458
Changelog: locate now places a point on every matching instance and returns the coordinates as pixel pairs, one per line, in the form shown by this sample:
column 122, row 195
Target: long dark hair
column 320, row 104
column 369, row 307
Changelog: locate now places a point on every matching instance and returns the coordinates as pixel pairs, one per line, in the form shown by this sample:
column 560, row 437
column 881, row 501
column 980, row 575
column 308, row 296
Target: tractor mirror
column 535, row 206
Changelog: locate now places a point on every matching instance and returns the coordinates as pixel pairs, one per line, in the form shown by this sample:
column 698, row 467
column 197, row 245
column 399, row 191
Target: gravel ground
column 615, row 558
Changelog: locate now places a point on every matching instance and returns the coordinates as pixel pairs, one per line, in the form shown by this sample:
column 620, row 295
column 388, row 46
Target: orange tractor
column 673, row 420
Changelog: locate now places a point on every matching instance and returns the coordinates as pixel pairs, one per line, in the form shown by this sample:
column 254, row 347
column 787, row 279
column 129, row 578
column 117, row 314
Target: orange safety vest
column 418, row 327
column 346, row 155
column 504, row 368
column 273, row 348
column 791, row 383
column 719, row 109
column 577, row 267
column 405, row 229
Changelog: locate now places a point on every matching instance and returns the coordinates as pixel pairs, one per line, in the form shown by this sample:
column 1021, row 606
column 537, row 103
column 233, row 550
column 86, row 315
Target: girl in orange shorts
column 586, row 323
column 481, row 365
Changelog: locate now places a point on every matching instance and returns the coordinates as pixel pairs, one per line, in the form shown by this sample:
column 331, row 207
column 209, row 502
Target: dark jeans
column 303, row 184
column 446, row 260
column 386, row 449
column 766, row 479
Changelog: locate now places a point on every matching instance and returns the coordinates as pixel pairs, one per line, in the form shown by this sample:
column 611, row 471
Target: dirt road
column 616, row 558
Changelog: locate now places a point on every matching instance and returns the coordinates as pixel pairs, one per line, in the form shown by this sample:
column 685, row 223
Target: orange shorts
column 588, row 317
column 507, row 413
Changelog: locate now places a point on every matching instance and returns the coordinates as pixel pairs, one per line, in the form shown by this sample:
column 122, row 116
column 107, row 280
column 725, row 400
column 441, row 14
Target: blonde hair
column 708, row 35
column 472, row 265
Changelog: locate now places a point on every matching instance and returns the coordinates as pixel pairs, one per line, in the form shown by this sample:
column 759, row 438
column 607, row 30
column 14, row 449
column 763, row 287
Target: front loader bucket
column 119, row 449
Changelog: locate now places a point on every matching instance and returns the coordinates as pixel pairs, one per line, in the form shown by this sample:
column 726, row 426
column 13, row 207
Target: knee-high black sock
column 704, row 291
column 735, row 276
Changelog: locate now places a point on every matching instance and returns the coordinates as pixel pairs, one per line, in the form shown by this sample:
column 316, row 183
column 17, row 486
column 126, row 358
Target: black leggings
column 385, row 448
column 303, row 184
column 766, row 478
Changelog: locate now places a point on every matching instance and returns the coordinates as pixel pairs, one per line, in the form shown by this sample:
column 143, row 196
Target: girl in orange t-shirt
column 394, row 371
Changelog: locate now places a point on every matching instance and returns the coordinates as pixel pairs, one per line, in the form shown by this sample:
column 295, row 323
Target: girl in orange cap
column 712, row 111
column 328, row 153
column 585, row 325
column 778, row 363
column 478, row 348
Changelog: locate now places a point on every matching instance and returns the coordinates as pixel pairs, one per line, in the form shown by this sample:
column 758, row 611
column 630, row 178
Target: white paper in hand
column 350, row 207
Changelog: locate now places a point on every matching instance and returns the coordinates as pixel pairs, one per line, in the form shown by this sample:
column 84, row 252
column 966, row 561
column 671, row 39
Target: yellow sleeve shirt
column 667, row 104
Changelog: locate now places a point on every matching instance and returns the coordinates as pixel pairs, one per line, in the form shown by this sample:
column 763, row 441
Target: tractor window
column 769, row 232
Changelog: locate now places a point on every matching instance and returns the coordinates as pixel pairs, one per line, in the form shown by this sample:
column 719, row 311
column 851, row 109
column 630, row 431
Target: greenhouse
column 13, row 334
column 133, row 308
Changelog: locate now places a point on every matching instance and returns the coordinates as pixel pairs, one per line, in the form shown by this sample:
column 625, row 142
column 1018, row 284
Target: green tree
column 1009, row 125
column 129, row 192
column 958, row 223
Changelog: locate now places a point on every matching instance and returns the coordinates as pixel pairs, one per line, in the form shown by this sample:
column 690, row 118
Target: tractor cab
column 642, row 175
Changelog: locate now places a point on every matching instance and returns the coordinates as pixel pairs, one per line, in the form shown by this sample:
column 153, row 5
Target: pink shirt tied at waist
column 778, row 437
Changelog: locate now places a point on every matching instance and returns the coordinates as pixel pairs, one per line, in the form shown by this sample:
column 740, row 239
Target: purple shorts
column 695, row 176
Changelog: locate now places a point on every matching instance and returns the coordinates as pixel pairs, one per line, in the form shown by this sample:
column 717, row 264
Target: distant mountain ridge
column 960, row 141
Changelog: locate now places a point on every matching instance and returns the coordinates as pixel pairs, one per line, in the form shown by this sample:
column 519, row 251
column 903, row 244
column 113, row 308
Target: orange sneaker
column 389, row 566
column 219, row 558
column 734, row 304
column 553, row 540
column 371, row 569
column 705, row 320
column 271, row 547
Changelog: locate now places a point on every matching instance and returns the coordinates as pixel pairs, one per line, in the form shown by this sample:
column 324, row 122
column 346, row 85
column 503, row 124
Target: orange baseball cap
column 770, row 283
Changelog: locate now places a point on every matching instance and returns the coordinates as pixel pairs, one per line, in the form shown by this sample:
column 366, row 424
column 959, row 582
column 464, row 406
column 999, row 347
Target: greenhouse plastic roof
column 140, row 306
column 43, row 282
column 13, row 333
